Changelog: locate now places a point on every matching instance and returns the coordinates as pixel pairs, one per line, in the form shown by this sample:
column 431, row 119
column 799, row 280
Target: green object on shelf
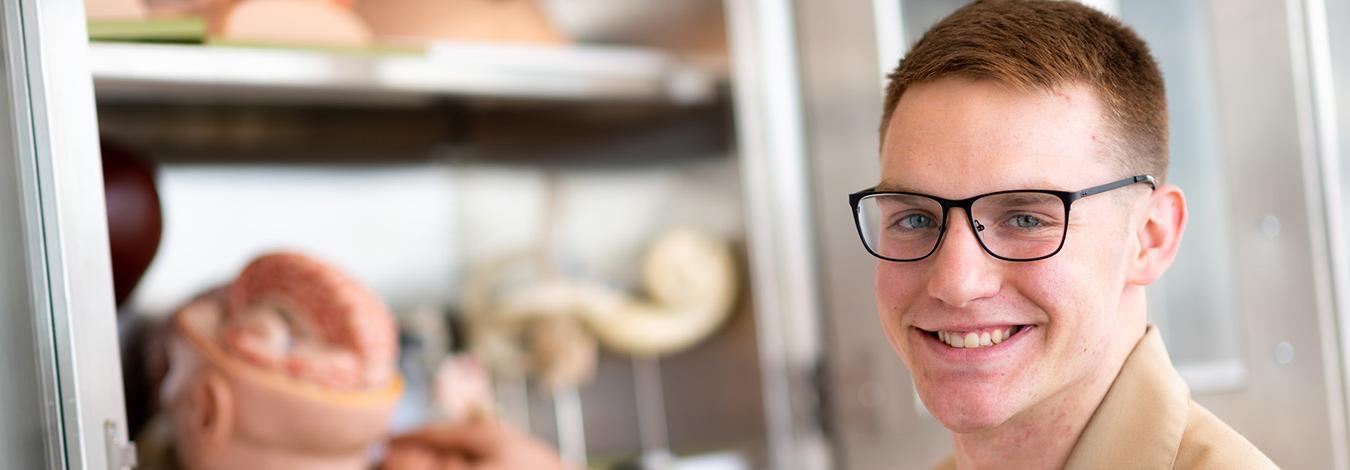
column 175, row 29
column 373, row 50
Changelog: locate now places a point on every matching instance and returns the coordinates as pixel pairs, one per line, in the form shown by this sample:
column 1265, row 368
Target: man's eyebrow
column 893, row 186
column 1021, row 199
column 1034, row 185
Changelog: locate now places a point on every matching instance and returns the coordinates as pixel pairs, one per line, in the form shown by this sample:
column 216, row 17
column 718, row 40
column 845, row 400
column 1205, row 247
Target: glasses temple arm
column 1153, row 183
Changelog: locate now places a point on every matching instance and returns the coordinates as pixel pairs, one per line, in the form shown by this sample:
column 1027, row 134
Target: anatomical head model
column 292, row 365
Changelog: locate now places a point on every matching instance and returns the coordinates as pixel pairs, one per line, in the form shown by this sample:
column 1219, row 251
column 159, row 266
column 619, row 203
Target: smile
column 974, row 339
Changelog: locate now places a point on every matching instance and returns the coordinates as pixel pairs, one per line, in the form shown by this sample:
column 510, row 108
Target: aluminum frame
column 65, row 228
column 1281, row 294
column 1324, row 112
column 775, row 173
column 32, row 413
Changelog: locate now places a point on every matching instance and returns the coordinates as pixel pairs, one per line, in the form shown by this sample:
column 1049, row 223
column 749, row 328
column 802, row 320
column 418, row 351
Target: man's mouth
column 981, row 338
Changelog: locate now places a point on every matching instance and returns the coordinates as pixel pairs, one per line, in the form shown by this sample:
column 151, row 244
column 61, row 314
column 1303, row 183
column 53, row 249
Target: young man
column 1021, row 212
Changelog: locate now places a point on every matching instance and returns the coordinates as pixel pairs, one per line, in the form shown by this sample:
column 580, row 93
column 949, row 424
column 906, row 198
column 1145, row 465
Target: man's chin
column 966, row 413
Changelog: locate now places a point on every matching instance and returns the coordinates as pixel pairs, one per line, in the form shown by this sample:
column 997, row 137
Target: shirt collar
column 1141, row 420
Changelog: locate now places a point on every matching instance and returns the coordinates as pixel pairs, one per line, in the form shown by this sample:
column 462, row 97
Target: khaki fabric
column 1149, row 421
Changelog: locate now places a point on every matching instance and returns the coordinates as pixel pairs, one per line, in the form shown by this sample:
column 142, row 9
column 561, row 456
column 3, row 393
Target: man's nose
column 962, row 271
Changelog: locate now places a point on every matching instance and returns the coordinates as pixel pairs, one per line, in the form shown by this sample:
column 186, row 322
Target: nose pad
column 958, row 230
column 979, row 230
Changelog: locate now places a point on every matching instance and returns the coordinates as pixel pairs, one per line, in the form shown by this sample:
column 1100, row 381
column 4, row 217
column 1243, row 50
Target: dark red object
column 135, row 221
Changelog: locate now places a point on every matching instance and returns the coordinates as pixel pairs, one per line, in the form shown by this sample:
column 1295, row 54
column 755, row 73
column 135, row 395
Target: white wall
column 409, row 231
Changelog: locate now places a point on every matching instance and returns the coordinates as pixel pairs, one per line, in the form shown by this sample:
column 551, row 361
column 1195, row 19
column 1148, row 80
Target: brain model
column 294, row 315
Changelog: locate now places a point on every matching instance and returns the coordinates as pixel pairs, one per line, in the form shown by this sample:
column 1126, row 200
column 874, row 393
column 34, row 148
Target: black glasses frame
column 1067, row 197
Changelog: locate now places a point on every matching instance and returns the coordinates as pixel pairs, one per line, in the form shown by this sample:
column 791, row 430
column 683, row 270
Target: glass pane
column 1338, row 13
column 921, row 15
column 1193, row 301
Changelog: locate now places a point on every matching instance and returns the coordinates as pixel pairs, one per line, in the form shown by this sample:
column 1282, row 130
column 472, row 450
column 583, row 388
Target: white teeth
column 977, row 339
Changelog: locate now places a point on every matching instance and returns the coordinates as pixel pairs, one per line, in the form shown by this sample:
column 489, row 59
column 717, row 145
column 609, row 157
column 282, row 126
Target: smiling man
column 1021, row 212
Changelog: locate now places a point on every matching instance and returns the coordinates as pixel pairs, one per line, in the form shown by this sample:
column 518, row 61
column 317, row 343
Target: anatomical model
column 269, row 22
column 304, row 22
column 290, row 366
column 417, row 22
column 350, row 22
column 114, row 9
column 548, row 324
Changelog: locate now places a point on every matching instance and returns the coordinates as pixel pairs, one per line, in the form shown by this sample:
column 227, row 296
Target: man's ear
column 212, row 415
column 1159, row 235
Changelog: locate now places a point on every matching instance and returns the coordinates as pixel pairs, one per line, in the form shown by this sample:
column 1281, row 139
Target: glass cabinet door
column 1192, row 305
column 1328, row 46
column 61, row 393
column 1245, row 310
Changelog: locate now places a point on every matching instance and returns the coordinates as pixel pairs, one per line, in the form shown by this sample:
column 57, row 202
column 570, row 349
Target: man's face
column 956, row 138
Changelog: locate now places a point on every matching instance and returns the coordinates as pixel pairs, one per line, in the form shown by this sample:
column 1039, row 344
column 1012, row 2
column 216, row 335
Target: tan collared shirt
column 1149, row 421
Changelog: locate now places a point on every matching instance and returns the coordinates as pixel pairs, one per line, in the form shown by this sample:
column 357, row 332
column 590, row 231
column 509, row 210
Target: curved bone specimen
column 692, row 280
column 523, row 319
column 548, row 325
column 293, row 314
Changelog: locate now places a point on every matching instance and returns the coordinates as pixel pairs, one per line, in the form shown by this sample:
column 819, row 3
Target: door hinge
column 121, row 452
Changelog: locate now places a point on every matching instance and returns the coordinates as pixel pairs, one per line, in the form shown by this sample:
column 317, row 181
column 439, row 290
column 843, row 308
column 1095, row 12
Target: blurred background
column 432, row 147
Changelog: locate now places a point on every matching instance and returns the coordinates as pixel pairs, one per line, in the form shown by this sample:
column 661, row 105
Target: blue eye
column 916, row 221
column 1026, row 221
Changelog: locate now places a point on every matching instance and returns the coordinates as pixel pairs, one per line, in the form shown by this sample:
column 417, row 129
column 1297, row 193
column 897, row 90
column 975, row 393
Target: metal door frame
column 775, row 173
column 31, row 355
column 1266, row 131
column 63, row 218
column 1328, row 112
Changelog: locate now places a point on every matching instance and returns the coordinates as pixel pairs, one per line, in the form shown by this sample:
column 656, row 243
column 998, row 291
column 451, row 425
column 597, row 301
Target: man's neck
column 1041, row 437
column 1044, row 435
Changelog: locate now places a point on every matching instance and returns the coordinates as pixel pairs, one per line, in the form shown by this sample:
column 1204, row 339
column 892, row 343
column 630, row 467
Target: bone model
column 549, row 325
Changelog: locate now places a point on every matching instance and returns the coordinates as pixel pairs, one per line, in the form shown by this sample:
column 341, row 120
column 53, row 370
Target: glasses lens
column 1020, row 225
column 900, row 226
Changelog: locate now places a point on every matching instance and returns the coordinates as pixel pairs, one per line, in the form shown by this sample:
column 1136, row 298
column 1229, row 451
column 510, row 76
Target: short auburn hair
column 1042, row 45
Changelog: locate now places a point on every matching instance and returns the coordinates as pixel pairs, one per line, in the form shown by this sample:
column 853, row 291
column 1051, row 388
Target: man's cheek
column 894, row 282
column 893, row 299
column 891, row 307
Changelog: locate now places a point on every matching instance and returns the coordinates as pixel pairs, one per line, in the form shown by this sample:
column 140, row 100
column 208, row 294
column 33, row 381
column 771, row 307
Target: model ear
column 1159, row 235
column 212, row 409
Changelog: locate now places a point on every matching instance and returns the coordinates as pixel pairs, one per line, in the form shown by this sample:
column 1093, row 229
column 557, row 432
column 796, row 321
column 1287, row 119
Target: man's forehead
column 953, row 192
column 957, row 138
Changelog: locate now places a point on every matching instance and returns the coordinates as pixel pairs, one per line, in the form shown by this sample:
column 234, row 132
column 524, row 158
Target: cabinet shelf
column 231, row 73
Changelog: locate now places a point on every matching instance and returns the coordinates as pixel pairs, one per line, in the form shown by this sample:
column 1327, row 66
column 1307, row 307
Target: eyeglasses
column 1017, row 225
